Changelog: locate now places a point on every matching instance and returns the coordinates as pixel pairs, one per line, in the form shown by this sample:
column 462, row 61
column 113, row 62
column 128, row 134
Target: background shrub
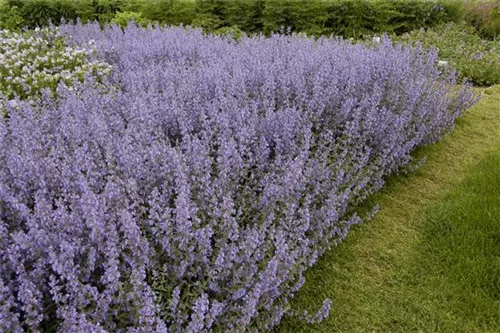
column 123, row 19
column 475, row 58
column 103, row 10
column 485, row 17
column 348, row 18
column 171, row 12
column 207, row 21
column 233, row 32
column 10, row 16
column 36, row 12
column 354, row 19
column 39, row 13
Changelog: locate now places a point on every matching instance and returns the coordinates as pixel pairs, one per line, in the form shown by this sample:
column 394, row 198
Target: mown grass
column 430, row 260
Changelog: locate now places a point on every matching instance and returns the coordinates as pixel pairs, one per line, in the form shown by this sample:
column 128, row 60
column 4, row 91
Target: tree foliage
column 348, row 18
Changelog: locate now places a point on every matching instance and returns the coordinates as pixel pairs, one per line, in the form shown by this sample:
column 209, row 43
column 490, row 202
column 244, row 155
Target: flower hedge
column 194, row 196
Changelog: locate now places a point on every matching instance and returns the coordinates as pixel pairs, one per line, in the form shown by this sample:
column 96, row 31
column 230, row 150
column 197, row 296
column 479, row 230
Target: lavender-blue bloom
column 193, row 194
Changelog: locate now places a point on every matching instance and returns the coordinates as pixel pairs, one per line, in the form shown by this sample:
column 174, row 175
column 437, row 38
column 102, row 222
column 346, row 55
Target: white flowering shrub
column 37, row 59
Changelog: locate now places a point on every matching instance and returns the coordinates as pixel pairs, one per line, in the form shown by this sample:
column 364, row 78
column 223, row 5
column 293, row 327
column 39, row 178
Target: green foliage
column 246, row 15
column 169, row 12
column 66, row 10
column 455, row 9
column 276, row 15
column 208, row 15
column 475, row 58
column 233, row 32
column 208, row 22
column 123, row 19
column 416, row 16
column 213, row 7
column 137, row 5
column 104, row 10
column 11, row 3
column 106, row 6
column 355, row 18
column 349, row 18
column 485, row 17
column 10, row 17
column 39, row 13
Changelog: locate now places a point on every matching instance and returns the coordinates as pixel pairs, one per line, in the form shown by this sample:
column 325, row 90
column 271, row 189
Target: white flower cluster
column 37, row 59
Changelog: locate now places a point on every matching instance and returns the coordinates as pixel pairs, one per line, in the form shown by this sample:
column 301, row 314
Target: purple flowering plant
column 193, row 197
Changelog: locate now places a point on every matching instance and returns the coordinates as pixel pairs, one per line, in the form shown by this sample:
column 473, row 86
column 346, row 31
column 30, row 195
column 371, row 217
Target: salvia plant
column 194, row 197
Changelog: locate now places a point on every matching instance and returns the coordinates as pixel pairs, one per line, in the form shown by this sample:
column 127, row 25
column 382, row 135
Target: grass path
column 430, row 260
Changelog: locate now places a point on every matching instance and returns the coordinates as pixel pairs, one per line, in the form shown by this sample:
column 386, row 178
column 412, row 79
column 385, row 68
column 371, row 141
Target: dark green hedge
column 349, row 18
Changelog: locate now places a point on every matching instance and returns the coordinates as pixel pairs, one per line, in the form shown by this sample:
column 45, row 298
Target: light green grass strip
column 430, row 260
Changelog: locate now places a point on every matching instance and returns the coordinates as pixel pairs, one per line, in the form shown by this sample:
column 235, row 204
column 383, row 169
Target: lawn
column 430, row 260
